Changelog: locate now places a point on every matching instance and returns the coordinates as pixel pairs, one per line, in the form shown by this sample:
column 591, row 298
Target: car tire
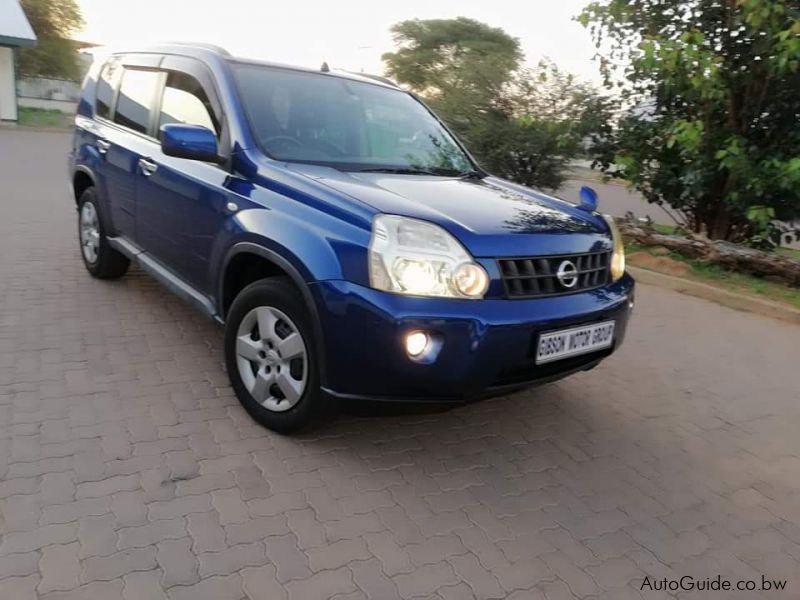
column 275, row 376
column 101, row 260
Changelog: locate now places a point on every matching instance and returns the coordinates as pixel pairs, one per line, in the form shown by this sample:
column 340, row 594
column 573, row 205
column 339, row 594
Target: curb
column 715, row 294
column 35, row 129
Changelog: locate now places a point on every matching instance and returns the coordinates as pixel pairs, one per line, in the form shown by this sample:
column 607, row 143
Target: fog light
column 416, row 343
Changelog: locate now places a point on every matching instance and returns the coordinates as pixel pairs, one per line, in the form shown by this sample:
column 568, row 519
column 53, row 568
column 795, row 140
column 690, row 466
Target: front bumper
column 488, row 346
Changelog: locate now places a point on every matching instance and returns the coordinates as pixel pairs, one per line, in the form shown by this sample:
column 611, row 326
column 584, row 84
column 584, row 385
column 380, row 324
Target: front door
column 181, row 203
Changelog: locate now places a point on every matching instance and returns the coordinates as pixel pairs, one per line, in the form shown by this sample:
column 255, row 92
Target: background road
column 128, row 469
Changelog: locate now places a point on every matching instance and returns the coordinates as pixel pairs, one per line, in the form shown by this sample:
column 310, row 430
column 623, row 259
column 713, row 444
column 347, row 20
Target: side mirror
column 189, row 141
column 588, row 199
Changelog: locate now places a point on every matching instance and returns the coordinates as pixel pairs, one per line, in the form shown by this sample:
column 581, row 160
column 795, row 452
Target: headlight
column 618, row 258
column 407, row 256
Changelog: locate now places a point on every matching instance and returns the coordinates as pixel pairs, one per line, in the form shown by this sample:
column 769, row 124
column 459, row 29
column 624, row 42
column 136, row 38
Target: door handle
column 147, row 166
column 103, row 146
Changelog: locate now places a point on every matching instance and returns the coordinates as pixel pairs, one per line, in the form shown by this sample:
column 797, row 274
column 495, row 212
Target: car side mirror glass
column 189, row 141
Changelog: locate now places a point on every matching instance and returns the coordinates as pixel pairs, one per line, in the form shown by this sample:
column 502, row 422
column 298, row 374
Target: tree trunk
column 722, row 253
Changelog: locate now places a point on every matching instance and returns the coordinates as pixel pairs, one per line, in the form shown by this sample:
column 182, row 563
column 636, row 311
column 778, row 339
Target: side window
column 136, row 99
column 106, row 86
column 185, row 101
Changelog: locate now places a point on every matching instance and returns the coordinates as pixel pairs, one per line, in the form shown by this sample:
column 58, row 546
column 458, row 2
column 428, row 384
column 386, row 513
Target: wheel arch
column 82, row 180
column 276, row 265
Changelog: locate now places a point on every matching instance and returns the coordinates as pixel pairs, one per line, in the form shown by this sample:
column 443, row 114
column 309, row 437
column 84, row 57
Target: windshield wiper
column 398, row 171
column 472, row 174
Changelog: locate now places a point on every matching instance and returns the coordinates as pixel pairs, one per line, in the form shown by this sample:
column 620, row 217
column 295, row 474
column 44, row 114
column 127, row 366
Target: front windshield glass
column 350, row 125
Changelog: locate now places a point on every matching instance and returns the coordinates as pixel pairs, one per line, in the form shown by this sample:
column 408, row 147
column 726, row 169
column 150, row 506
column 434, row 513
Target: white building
column 15, row 32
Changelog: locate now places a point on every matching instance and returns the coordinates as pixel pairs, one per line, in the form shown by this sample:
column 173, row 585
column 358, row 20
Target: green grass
column 664, row 229
column 40, row 117
column 790, row 252
column 731, row 280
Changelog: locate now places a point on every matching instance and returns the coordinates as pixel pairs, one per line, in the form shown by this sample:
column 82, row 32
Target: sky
column 348, row 34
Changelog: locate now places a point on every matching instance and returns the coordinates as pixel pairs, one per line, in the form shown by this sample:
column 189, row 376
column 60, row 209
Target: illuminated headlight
column 618, row 258
column 408, row 256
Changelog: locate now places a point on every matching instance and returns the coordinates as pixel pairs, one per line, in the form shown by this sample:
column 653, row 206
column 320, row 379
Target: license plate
column 576, row 340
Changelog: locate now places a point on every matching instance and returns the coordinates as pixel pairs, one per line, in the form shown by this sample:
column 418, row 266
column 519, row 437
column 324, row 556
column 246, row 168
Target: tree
column 55, row 55
column 714, row 91
column 522, row 124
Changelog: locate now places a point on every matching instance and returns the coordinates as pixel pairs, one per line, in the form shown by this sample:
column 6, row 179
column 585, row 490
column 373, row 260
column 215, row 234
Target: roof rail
column 380, row 78
column 212, row 47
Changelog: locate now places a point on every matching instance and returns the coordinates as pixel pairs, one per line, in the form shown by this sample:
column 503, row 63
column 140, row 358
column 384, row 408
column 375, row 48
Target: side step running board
column 165, row 277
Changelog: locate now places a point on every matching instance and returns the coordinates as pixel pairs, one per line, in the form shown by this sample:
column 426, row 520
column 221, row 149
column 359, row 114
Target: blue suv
column 349, row 243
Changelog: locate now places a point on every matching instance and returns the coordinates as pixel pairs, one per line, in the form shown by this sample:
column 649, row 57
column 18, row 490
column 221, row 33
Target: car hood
column 491, row 217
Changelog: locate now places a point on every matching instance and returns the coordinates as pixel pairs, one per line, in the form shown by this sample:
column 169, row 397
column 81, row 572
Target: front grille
column 537, row 276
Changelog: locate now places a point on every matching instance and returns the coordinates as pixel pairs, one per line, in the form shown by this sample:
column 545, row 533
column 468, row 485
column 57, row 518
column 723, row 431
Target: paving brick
column 202, row 484
column 322, row 586
column 97, row 536
column 177, row 562
column 615, row 573
column 152, row 533
column 19, row 565
column 19, row 588
column 352, row 527
column 107, row 568
column 106, row 487
column 129, row 508
column 305, row 525
column 206, row 532
column 97, row 590
column 337, row 554
column 60, row 568
column 290, row 563
column 213, row 588
column 251, row 483
column 72, row 511
column 435, row 549
column 232, row 559
column 57, row 488
column 276, row 504
column 482, row 581
column 371, row 579
column 38, row 538
column 20, row 513
column 179, row 507
column 260, row 583
column 426, row 580
column 255, row 529
column 230, row 506
column 22, row 485
column 143, row 585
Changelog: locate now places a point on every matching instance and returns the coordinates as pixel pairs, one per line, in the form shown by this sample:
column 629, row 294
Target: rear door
column 124, row 109
column 181, row 203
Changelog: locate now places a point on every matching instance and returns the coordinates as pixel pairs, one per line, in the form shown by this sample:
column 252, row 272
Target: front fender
column 318, row 247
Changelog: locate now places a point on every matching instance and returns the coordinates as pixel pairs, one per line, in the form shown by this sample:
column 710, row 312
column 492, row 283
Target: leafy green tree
column 713, row 88
column 522, row 124
column 55, row 55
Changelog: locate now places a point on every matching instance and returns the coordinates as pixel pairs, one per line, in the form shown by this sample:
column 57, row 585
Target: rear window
column 137, row 95
column 106, row 86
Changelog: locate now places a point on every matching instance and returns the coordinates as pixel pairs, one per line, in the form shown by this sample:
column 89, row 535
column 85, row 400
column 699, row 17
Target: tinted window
column 316, row 118
column 106, row 86
column 185, row 101
column 136, row 96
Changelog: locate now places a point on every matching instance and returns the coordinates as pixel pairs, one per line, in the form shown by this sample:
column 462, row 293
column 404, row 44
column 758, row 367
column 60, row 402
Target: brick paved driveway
column 128, row 470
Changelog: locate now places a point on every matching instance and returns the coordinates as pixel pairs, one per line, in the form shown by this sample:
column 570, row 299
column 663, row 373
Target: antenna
column 325, row 68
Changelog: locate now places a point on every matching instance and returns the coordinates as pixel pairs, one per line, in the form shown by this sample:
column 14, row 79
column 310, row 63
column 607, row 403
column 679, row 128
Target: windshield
column 350, row 125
